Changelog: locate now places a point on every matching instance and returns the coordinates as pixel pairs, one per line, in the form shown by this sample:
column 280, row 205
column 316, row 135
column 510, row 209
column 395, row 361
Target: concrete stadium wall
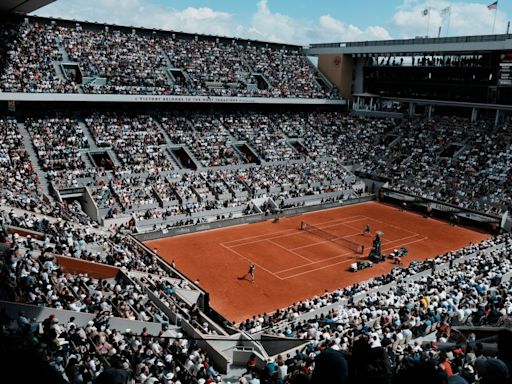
column 506, row 222
column 208, row 215
column 143, row 237
column 275, row 345
column 154, row 99
column 89, row 206
column 379, row 114
column 40, row 313
column 338, row 70
column 220, row 360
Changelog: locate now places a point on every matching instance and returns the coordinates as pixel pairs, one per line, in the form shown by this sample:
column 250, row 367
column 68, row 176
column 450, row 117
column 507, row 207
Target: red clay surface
column 293, row 265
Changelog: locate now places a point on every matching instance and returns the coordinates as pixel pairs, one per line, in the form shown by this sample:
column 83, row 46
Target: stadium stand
column 161, row 168
column 452, row 149
column 143, row 63
column 396, row 319
column 29, row 67
column 411, row 305
column 459, row 169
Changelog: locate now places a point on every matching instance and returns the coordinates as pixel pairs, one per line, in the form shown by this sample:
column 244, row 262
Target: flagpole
column 448, row 23
column 428, row 22
column 494, row 22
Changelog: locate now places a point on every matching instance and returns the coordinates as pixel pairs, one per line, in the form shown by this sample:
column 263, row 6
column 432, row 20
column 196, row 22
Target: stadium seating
column 289, row 156
column 163, row 168
column 29, row 66
column 379, row 318
column 20, row 184
column 118, row 62
column 397, row 318
column 451, row 160
column 392, row 312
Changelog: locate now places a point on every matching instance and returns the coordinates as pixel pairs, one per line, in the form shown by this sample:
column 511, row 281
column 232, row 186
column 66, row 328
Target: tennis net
column 340, row 240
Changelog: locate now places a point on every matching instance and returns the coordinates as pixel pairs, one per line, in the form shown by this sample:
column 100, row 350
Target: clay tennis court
column 292, row 264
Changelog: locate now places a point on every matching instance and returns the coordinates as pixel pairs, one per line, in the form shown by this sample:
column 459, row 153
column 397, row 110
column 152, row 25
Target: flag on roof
column 493, row 6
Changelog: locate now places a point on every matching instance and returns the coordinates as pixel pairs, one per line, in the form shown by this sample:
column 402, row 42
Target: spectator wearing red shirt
column 250, row 365
column 446, row 366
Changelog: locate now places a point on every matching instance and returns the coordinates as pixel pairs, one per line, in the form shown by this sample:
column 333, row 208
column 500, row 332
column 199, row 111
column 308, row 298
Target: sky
column 295, row 21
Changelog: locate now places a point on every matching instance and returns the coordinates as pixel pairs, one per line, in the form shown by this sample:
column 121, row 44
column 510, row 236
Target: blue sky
column 294, row 21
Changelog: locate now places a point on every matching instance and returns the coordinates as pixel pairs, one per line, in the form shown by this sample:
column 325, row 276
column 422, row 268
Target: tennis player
column 250, row 273
column 367, row 230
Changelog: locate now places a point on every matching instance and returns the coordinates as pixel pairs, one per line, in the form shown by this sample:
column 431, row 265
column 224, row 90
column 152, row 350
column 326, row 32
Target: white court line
column 311, row 262
column 276, row 237
column 403, row 230
column 252, row 261
column 288, row 230
column 400, row 239
column 317, row 269
column 407, row 243
column 403, row 238
column 320, row 242
column 338, row 222
column 317, row 262
column 341, row 262
column 355, row 234
column 295, row 233
column 256, row 236
column 341, row 219
column 346, row 223
column 345, row 254
column 392, row 225
column 288, row 250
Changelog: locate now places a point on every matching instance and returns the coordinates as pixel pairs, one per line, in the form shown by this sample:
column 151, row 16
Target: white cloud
column 273, row 26
column 264, row 24
column 465, row 19
column 468, row 18
column 143, row 14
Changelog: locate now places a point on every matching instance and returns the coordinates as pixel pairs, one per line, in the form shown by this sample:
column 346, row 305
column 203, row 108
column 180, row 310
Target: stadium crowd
column 136, row 140
column 375, row 331
column 31, row 274
column 204, row 135
column 428, row 61
column 121, row 62
column 385, row 318
column 31, row 54
column 388, row 325
column 17, row 176
column 284, row 156
column 58, row 143
column 451, row 160
column 96, row 353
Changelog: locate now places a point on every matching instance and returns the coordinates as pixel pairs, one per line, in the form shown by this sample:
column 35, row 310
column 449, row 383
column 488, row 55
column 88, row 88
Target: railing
column 39, row 313
column 426, row 40
column 442, row 210
column 323, row 311
column 148, row 236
